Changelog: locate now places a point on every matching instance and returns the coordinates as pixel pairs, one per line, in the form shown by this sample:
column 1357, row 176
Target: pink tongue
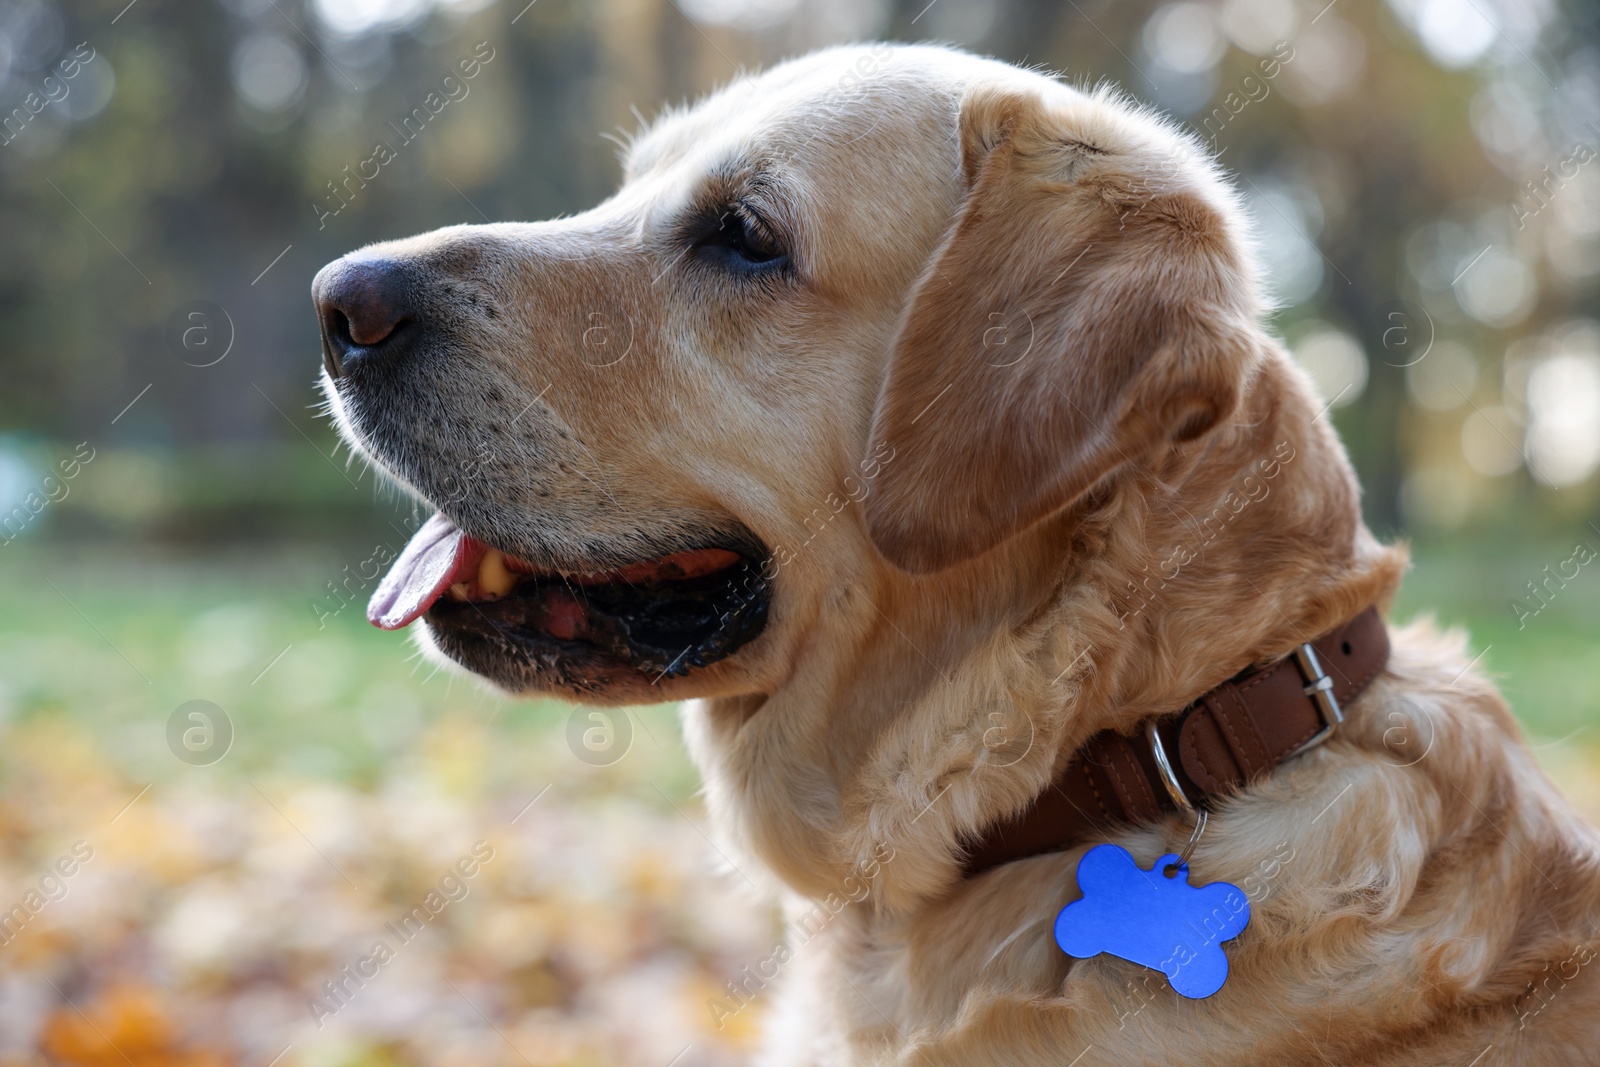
column 438, row 556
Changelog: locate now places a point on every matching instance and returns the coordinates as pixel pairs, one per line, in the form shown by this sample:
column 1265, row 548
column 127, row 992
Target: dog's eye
column 742, row 239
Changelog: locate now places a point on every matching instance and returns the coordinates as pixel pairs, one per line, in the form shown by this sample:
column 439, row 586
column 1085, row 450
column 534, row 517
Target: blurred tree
column 194, row 158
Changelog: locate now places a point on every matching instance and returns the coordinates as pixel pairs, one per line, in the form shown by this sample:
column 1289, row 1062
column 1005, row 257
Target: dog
column 912, row 417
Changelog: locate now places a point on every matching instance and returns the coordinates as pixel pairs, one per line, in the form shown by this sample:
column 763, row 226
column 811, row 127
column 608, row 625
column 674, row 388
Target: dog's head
column 878, row 311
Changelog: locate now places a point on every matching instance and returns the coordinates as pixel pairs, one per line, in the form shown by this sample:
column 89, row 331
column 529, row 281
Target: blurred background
column 220, row 789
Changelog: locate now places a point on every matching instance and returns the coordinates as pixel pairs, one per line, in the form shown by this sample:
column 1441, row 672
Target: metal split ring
column 1200, row 817
column 1169, row 779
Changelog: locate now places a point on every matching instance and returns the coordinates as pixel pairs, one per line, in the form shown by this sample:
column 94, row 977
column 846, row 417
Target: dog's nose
column 362, row 303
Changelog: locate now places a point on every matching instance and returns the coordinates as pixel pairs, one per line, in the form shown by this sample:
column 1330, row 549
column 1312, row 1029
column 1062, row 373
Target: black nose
column 362, row 304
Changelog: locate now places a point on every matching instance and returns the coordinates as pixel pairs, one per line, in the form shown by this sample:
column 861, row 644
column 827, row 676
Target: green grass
column 1547, row 665
column 115, row 642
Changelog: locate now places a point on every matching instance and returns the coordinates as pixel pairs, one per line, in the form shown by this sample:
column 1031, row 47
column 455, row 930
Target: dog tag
column 1156, row 921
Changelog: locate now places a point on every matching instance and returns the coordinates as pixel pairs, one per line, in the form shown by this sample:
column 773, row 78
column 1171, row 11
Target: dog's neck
column 1186, row 568
column 1228, row 552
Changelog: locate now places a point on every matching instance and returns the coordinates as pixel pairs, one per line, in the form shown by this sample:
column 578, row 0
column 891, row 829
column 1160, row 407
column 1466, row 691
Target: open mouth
column 664, row 615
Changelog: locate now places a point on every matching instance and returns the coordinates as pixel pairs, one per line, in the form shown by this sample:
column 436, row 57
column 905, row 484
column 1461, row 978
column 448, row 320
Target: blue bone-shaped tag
column 1147, row 918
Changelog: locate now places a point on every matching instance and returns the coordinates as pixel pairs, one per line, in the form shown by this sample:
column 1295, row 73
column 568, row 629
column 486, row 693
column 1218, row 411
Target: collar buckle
column 1319, row 687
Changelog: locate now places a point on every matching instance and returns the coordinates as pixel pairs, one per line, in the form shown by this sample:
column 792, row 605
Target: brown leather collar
column 1235, row 733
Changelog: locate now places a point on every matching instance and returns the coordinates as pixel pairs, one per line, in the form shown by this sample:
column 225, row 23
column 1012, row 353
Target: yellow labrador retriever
column 913, row 413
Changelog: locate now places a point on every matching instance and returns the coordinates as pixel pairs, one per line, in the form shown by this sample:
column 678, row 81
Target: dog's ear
column 1091, row 303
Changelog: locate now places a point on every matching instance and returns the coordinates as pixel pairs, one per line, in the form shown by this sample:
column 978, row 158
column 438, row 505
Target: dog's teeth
column 458, row 591
column 494, row 579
